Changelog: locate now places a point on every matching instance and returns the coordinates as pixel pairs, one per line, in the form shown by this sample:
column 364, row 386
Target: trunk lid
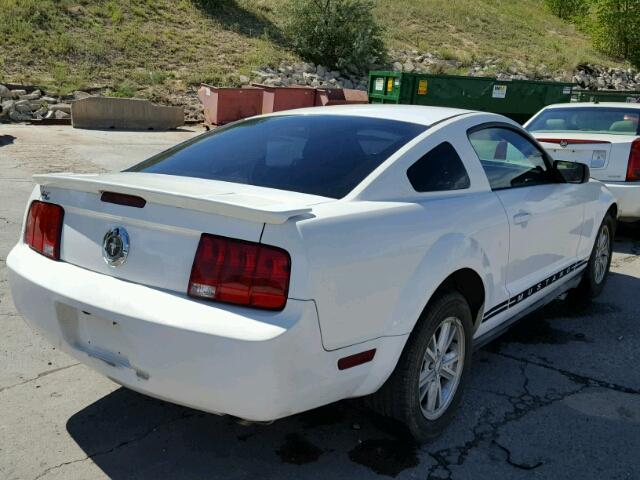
column 164, row 234
column 606, row 155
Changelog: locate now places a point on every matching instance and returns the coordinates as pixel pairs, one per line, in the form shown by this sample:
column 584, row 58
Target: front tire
column 426, row 386
column 597, row 271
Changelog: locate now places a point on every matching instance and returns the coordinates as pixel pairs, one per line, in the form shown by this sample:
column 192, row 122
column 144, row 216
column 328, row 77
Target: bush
column 336, row 33
column 615, row 27
column 567, row 9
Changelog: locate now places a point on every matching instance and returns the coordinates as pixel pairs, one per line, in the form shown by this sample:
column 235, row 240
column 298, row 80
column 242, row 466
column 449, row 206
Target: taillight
column 240, row 272
column 44, row 228
column 633, row 169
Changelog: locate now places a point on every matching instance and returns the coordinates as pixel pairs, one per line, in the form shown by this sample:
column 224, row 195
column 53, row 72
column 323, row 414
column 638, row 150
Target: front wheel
column 425, row 388
column 597, row 271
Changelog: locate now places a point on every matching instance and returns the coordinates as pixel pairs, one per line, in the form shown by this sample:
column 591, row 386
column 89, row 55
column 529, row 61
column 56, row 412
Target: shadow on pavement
column 6, row 140
column 627, row 239
column 129, row 435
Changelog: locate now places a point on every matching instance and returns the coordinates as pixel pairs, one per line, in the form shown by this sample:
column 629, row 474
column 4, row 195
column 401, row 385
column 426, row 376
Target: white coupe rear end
column 289, row 261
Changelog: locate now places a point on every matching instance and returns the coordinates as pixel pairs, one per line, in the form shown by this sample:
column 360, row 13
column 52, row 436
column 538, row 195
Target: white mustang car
column 605, row 136
column 292, row 260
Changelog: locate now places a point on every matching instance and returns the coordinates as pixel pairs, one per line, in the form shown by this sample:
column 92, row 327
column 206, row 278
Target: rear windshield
column 326, row 155
column 610, row 120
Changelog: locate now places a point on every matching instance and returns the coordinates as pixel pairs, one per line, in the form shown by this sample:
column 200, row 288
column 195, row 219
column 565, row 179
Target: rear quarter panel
column 371, row 267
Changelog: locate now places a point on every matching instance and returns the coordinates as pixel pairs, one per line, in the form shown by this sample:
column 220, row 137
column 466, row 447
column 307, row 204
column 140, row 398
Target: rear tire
column 597, row 271
column 425, row 389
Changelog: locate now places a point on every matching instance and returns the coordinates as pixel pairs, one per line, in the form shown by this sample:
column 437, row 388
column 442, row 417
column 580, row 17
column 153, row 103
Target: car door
column 545, row 216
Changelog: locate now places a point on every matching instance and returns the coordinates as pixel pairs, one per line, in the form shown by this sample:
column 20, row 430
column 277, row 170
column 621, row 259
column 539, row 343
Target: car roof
column 594, row 105
column 419, row 114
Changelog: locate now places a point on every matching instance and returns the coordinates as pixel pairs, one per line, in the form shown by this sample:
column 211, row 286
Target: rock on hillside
column 21, row 104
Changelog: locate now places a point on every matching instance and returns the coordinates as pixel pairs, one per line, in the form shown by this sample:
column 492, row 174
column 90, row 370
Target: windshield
column 609, row 120
column 326, row 155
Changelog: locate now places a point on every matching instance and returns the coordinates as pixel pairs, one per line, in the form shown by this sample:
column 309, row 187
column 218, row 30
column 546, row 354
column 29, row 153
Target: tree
column 567, row 9
column 616, row 27
column 336, row 33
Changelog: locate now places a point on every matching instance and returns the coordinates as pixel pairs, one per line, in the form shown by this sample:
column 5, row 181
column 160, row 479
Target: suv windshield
column 326, row 155
column 610, row 120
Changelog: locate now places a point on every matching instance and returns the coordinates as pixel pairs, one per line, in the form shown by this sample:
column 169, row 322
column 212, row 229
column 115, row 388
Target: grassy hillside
column 511, row 31
column 131, row 44
column 149, row 47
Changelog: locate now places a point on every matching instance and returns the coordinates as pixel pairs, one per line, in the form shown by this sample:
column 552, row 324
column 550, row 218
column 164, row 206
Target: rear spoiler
column 237, row 205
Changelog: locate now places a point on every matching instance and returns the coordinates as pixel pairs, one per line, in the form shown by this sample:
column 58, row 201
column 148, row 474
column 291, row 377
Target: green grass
column 149, row 47
column 137, row 47
column 521, row 31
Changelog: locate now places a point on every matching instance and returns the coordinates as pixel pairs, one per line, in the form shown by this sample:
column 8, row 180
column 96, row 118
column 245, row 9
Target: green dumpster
column 598, row 96
column 516, row 99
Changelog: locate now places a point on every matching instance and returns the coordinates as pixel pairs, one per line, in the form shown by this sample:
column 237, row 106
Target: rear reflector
column 356, row 359
column 240, row 272
column 44, row 228
column 633, row 168
column 123, row 199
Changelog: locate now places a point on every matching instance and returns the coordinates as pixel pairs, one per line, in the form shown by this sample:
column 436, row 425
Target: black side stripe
column 497, row 307
column 501, row 307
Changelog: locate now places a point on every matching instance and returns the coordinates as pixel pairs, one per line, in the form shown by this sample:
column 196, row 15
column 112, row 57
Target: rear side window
column 327, row 155
column 438, row 170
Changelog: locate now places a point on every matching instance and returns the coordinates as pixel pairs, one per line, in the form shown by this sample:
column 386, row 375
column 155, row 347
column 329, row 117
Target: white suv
column 605, row 136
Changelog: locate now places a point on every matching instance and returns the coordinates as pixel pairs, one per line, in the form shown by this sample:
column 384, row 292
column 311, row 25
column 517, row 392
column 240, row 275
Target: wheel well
column 469, row 284
column 613, row 210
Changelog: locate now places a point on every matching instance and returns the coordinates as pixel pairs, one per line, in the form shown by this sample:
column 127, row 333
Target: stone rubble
column 307, row 74
column 22, row 104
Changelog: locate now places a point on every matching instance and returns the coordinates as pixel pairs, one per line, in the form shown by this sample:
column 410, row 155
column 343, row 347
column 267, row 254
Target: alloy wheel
column 601, row 261
column 441, row 368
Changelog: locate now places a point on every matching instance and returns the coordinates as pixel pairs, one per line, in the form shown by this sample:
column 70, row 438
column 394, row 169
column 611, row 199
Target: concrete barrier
column 124, row 114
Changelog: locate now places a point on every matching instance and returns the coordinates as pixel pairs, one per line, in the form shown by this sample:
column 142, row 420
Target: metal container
column 276, row 99
column 516, row 99
column 598, row 96
column 224, row 105
column 340, row 96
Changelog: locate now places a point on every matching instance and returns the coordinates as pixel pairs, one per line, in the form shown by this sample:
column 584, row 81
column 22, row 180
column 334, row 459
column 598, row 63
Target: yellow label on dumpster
column 422, row 87
column 390, row 85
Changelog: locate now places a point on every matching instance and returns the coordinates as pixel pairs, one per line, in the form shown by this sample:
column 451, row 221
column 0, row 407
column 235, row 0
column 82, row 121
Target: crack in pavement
column 134, row 439
column 38, row 377
column 521, row 466
column 486, row 430
column 574, row 377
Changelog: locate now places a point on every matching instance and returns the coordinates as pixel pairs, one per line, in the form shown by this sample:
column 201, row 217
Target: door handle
column 520, row 218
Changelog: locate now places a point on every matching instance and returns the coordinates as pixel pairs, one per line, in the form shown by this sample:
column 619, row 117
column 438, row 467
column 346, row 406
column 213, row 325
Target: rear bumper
column 252, row 364
column 628, row 199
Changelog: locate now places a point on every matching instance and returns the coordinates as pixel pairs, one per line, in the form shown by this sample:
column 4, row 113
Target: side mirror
column 572, row 172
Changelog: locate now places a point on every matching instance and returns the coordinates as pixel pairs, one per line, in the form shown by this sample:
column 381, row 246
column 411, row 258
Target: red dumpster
column 339, row 96
column 224, row 105
column 275, row 99
column 351, row 95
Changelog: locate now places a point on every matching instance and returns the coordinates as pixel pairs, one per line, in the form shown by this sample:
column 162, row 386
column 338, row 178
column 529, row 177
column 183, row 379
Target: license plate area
column 97, row 336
